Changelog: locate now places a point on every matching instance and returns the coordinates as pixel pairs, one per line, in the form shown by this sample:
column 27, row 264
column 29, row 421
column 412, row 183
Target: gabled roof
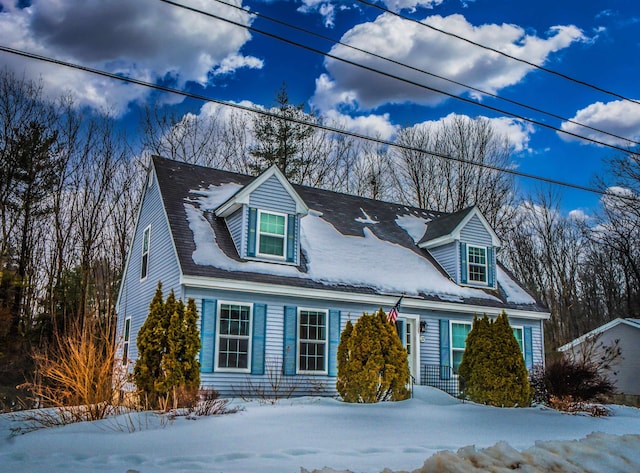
column 633, row 323
column 242, row 196
column 446, row 229
column 349, row 244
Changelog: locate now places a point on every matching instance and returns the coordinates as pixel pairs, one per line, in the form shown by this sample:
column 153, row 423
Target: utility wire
column 331, row 129
column 407, row 81
column 423, row 71
column 502, row 53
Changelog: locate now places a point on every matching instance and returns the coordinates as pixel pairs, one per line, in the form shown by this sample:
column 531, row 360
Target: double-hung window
column 272, row 228
column 234, row 337
column 312, row 341
column 126, row 338
column 459, row 332
column 146, row 242
column 477, row 264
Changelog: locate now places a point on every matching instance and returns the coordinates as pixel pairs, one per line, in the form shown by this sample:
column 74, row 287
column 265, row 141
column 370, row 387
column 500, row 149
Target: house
column 625, row 372
column 278, row 269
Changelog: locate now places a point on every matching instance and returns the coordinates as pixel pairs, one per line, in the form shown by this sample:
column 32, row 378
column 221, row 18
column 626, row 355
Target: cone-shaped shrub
column 493, row 366
column 168, row 344
column 372, row 363
column 151, row 343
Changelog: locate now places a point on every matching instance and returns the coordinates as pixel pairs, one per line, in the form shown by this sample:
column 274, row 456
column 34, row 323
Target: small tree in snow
column 167, row 371
column 493, row 366
column 372, row 363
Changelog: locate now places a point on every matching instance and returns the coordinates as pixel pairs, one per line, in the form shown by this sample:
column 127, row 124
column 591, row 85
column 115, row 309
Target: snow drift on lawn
column 314, row 433
column 335, row 258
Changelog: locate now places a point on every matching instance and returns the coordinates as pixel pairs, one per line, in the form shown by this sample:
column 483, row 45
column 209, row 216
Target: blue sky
column 594, row 41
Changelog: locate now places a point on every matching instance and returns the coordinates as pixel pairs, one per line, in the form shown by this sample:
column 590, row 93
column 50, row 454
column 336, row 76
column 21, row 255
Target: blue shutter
column 207, row 334
column 463, row 263
column 251, row 237
column 445, row 349
column 290, row 339
column 491, row 267
column 528, row 347
column 292, row 222
column 334, row 340
column 258, row 338
column 402, row 331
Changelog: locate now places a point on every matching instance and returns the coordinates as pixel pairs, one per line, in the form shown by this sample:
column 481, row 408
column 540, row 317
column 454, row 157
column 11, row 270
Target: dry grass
column 78, row 371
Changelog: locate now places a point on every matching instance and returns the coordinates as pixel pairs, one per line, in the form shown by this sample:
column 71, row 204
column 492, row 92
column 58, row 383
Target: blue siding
column 475, row 233
column 135, row 295
column 231, row 384
column 447, row 257
column 272, row 196
column 234, row 224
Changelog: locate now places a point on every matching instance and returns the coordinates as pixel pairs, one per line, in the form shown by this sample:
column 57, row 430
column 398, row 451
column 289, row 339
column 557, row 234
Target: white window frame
column 126, row 338
column 259, row 233
column 486, row 265
column 220, row 336
column 144, row 262
column 521, row 328
column 299, row 341
column 451, row 348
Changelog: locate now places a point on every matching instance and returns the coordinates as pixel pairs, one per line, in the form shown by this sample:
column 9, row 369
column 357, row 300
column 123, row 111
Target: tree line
column 70, row 182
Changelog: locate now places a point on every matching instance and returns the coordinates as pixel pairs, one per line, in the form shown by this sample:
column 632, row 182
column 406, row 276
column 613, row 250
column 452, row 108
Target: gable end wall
column 272, row 196
column 135, row 294
column 475, row 233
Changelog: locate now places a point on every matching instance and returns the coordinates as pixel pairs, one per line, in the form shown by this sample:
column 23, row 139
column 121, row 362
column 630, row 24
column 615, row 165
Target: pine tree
column 280, row 140
column 373, row 364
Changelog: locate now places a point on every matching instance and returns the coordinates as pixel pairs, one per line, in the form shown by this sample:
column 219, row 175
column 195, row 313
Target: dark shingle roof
column 177, row 180
column 444, row 225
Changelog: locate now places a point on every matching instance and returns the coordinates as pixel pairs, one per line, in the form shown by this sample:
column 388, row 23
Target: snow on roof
column 366, row 219
column 414, row 226
column 513, row 292
column 332, row 257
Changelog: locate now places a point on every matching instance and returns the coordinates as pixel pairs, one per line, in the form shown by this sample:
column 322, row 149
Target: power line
column 407, row 81
column 331, row 129
column 437, row 76
column 502, row 53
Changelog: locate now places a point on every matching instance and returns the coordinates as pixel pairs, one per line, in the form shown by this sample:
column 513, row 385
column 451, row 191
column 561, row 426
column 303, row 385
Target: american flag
column 392, row 316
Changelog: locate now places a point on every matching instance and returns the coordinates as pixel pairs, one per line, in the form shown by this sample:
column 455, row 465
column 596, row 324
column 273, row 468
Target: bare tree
column 545, row 252
column 617, row 225
column 448, row 185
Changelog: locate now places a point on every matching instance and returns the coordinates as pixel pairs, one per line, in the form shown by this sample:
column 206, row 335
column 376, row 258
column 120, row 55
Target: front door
column 408, row 331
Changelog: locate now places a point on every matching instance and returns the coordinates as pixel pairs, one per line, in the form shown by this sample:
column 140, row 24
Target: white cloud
column 516, row 131
column 234, row 62
column 423, row 48
column 579, row 215
column 378, row 126
column 620, row 117
column 145, row 39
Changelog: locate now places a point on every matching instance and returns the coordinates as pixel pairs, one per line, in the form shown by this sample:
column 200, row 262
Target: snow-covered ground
column 314, row 433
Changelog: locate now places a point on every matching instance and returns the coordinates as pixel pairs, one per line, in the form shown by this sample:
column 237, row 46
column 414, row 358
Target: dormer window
column 272, row 234
column 477, row 259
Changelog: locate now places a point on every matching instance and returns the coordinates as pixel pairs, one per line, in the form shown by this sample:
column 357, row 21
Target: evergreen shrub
column 167, row 371
column 493, row 366
column 372, row 363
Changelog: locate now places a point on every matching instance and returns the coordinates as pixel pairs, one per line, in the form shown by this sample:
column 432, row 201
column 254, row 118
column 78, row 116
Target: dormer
column 264, row 219
column 465, row 245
